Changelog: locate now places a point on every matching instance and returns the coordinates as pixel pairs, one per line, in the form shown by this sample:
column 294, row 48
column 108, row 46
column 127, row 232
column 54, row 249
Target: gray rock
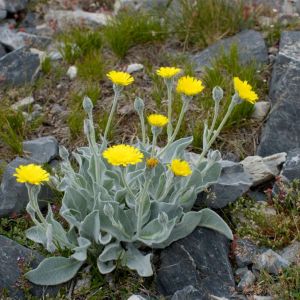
column 251, row 47
column 247, row 280
column 3, row 14
column 13, row 257
column 41, row 150
column 255, row 297
column 10, row 39
column 232, row 184
column 34, row 41
column 292, row 253
column 263, row 169
column 188, row 293
column 13, row 6
column 270, row 261
column 2, row 51
column 261, row 110
column 200, row 260
column 291, row 167
column 240, row 272
column 23, row 103
column 257, row 195
column 245, row 252
column 282, row 130
column 18, row 67
column 14, row 195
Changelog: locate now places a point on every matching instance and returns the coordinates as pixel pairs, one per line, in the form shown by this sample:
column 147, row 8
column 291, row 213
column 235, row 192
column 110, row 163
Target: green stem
column 169, row 84
column 113, row 109
column 217, row 132
column 216, row 112
column 123, row 176
column 154, row 141
column 142, row 120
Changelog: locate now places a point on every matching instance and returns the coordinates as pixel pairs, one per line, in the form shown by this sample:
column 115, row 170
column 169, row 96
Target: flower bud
column 214, row 155
column 87, row 105
column 217, row 93
column 139, row 104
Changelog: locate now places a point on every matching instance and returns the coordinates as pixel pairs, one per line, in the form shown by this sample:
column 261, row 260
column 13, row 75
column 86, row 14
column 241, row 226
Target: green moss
column 129, row 29
column 273, row 230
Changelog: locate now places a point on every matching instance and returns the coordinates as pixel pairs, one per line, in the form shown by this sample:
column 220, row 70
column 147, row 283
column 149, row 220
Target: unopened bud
column 217, row 93
column 214, row 155
column 87, row 105
column 139, row 104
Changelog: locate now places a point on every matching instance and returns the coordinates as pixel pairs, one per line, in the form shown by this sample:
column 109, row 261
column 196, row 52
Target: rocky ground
column 261, row 155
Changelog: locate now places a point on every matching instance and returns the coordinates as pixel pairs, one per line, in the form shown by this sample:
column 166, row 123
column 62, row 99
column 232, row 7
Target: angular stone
column 251, row 47
column 41, row 150
column 188, row 292
column 292, row 253
column 14, row 257
column 261, row 110
column 270, row 261
column 134, row 68
column 15, row 195
column 10, row 39
column 232, row 184
column 245, row 251
column 263, row 169
column 18, row 67
column 2, row 51
column 65, row 18
column 247, row 280
column 72, row 72
column 291, row 167
column 34, row 41
column 200, row 260
column 255, row 297
column 24, row 103
column 13, row 6
column 282, row 130
column 3, row 14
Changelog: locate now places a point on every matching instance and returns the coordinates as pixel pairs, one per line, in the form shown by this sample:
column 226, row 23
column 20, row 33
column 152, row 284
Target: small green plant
column 78, row 43
column 201, row 22
column 46, row 65
column 285, row 286
column 122, row 201
column 274, row 224
column 128, row 29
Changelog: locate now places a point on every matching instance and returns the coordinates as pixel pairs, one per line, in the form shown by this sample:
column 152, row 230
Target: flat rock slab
column 18, row 67
column 282, row 130
column 200, row 260
column 12, row 257
column 251, row 47
column 41, row 150
column 14, row 195
column 291, row 167
column 232, row 184
column 13, row 6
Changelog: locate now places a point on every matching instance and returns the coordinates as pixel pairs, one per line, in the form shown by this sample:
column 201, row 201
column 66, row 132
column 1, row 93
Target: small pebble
column 72, row 72
column 134, row 68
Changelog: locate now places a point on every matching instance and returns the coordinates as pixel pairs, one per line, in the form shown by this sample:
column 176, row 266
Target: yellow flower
column 167, row 72
column 33, row 174
column 152, row 162
column 120, row 78
column 189, row 86
column 158, row 120
column 180, row 167
column 123, row 155
column 244, row 90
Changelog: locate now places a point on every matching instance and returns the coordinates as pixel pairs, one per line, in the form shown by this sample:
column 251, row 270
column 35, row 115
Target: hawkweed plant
column 124, row 200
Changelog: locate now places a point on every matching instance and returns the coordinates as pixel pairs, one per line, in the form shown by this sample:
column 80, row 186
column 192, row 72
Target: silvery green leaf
column 81, row 251
column 120, row 195
column 49, row 237
column 105, row 268
column 212, row 220
column 104, row 239
column 111, row 252
column 54, row 270
column 63, row 153
column 72, row 235
column 90, row 226
column 172, row 210
column 37, row 234
column 188, row 199
column 176, row 149
column 71, row 216
column 135, row 260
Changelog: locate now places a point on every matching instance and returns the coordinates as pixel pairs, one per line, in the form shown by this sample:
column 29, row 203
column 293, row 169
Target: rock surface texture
column 233, row 183
column 251, row 47
column 199, row 260
column 13, row 258
column 291, row 168
column 282, row 130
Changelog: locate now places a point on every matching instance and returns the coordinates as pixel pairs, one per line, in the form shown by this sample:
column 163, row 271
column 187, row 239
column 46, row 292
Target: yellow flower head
column 123, row 155
column 244, row 90
column 120, row 78
column 152, row 162
column 33, row 174
column 157, row 120
column 180, row 167
column 189, row 86
column 167, row 72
